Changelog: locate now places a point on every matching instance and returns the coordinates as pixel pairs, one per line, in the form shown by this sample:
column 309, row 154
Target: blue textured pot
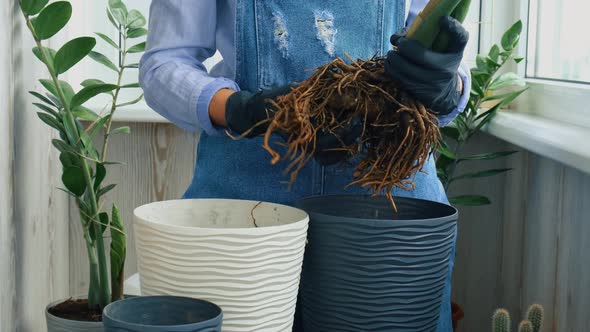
column 162, row 314
column 367, row 268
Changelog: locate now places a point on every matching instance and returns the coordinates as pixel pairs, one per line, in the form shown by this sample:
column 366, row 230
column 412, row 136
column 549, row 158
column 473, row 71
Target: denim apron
column 278, row 42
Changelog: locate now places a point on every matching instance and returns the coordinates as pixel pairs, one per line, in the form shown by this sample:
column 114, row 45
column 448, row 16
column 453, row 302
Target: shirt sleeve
column 415, row 7
column 171, row 72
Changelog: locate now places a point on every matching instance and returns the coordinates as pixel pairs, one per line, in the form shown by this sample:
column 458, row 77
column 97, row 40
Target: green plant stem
column 469, row 118
column 103, row 291
column 115, row 97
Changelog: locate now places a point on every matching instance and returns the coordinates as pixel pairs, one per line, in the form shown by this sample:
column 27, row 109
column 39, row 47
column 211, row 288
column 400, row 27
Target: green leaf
column 112, row 19
column 135, row 19
column 117, row 254
column 494, row 53
column 470, row 200
column 68, row 159
column 101, row 173
column 51, row 121
column 104, row 221
column 89, row 92
column 137, row 48
column 136, row 32
column 62, row 146
column 73, row 52
column 73, row 179
column 120, row 130
column 97, row 125
column 131, row 85
column 108, row 40
column 105, row 190
column 506, row 80
column 51, row 54
column 65, row 87
column 85, row 113
column 102, row 59
column 488, row 156
column 481, row 63
column 134, row 101
column 32, row 7
column 506, row 99
column 52, row 19
column 511, row 36
column 91, row 81
column 42, row 98
column 518, row 60
column 47, row 109
column 482, row 174
column 133, row 66
column 444, row 150
column 119, row 11
column 451, row 132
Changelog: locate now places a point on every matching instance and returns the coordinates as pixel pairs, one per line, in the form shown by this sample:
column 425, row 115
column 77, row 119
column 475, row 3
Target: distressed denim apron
column 279, row 42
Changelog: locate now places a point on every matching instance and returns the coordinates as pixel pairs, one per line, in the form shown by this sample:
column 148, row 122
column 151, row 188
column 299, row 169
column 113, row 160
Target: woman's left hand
column 430, row 77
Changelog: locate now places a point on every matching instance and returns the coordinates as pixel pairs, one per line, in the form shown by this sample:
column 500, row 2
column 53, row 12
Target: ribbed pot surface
column 368, row 269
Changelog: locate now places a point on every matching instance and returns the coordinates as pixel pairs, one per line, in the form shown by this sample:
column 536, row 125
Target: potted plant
column 84, row 163
column 488, row 96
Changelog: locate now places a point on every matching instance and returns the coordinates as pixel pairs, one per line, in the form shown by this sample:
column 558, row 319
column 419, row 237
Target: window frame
column 558, row 100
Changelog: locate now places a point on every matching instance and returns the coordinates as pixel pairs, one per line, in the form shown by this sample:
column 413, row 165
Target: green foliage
column 52, row 19
column 118, row 253
column 501, row 321
column 72, row 52
column 61, row 108
column 488, row 85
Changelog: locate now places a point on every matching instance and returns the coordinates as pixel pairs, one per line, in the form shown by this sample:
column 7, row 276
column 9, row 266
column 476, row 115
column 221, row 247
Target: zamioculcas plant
column 488, row 85
column 62, row 108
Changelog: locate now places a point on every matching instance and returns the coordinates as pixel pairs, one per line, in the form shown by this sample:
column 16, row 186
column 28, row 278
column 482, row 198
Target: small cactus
column 535, row 316
column 525, row 326
column 501, row 321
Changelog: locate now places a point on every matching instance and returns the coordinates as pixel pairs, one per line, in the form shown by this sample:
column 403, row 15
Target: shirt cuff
column 465, row 75
column 204, row 99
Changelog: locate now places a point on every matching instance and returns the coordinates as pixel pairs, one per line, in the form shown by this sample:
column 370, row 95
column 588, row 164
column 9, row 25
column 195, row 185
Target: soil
column 76, row 310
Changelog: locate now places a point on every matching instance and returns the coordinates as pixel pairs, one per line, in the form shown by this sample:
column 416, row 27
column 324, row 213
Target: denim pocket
column 294, row 37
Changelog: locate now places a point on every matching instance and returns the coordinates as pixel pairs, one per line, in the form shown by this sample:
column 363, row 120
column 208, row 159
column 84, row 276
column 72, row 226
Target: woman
column 268, row 45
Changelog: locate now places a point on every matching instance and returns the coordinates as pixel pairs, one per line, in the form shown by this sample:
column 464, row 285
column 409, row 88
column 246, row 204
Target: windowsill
column 138, row 113
column 563, row 142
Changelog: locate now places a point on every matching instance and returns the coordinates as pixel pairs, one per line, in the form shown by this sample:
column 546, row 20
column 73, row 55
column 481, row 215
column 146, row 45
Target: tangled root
column 398, row 132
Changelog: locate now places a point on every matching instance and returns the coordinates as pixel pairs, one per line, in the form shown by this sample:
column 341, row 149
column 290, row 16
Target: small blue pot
column 162, row 314
column 367, row 268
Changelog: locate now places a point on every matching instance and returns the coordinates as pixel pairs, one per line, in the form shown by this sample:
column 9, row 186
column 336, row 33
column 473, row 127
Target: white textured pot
column 244, row 256
column 57, row 324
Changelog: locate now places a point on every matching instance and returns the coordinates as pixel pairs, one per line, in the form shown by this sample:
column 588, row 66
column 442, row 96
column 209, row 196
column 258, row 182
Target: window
column 557, row 48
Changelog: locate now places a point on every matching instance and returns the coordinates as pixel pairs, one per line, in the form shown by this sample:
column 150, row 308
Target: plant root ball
column 398, row 132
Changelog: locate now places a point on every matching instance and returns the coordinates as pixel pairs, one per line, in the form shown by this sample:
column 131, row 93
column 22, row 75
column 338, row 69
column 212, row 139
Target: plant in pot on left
column 85, row 164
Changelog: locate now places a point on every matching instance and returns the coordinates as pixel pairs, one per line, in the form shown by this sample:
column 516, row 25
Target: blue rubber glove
column 430, row 77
